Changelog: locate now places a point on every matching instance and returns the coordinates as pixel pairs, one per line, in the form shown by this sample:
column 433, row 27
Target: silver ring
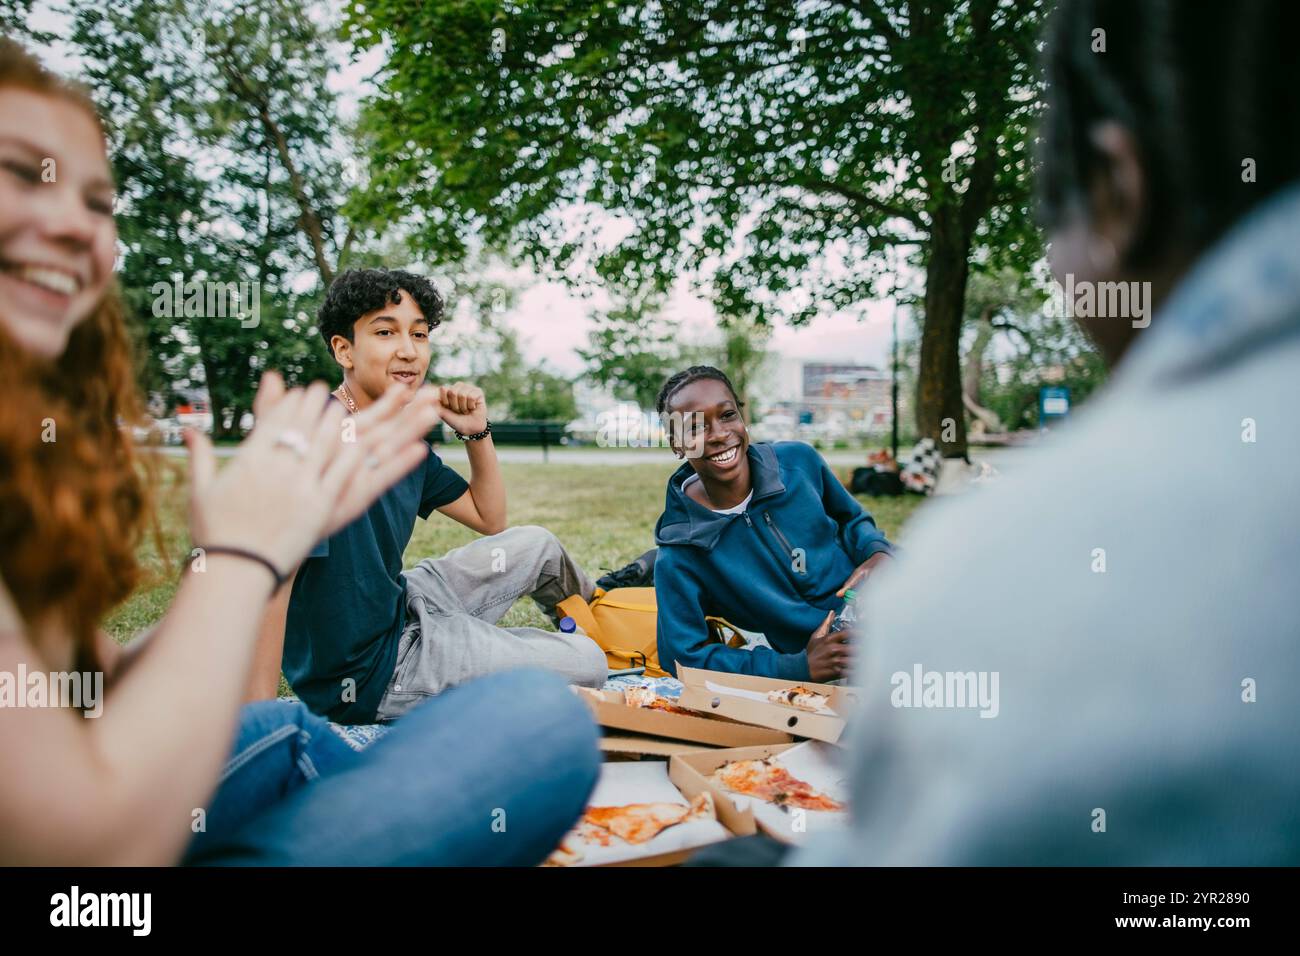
column 295, row 441
column 372, row 461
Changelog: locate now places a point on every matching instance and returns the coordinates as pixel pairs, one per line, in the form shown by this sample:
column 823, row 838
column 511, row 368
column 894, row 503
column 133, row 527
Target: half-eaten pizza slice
column 771, row 782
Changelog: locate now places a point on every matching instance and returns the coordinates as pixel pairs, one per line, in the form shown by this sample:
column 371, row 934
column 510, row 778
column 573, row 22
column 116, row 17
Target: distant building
column 845, row 399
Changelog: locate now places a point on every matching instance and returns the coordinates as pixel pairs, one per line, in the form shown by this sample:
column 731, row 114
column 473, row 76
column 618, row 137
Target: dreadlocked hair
column 693, row 374
column 1202, row 90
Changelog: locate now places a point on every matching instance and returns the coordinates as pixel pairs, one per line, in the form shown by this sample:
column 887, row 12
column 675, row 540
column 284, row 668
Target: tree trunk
column 216, row 398
column 940, row 414
column 985, row 419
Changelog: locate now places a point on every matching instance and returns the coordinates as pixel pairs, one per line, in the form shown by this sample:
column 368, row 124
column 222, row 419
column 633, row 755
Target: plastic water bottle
column 846, row 617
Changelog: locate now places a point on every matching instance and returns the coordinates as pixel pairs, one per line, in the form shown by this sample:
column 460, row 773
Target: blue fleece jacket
column 774, row 568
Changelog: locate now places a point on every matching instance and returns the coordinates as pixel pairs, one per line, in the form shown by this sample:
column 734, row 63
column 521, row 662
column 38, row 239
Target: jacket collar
column 686, row 522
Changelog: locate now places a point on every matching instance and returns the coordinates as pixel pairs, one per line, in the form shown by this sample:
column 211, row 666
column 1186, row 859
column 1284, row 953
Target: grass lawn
column 604, row 515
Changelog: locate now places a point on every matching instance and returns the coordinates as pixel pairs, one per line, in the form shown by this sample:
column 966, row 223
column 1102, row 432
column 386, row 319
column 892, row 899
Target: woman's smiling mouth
column 51, row 285
column 725, row 457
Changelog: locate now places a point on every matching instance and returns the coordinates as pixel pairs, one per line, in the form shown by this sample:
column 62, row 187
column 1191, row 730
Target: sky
column 552, row 322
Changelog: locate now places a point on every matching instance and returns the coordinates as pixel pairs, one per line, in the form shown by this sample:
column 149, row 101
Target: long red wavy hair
column 74, row 500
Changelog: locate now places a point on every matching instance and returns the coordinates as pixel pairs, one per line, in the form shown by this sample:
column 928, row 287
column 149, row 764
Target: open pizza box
column 813, row 762
column 611, row 711
column 743, row 698
column 648, row 782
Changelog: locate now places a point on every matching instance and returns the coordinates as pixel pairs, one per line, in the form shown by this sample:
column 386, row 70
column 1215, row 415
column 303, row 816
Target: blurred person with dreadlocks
column 1133, row 585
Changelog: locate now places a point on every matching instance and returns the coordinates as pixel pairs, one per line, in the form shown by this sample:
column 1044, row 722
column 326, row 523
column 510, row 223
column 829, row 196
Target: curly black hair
column 357, row 291
column 1201, row 88
column 693, row 374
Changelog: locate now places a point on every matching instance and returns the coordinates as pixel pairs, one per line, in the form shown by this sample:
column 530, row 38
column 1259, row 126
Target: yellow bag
column 623, row 621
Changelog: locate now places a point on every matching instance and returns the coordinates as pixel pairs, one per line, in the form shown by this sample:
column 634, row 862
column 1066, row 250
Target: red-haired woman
column 136, row 783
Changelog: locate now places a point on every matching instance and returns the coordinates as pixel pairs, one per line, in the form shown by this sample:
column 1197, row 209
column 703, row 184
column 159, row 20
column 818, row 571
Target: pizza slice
column 801, row 697
column 647, row 698
column 635, row 823
column 638, row 823
column 772, row 783
column 573, row 848
column 568, row 853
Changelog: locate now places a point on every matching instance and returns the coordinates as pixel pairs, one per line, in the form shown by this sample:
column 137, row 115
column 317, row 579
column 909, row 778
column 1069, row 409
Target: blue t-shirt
column 348, row 604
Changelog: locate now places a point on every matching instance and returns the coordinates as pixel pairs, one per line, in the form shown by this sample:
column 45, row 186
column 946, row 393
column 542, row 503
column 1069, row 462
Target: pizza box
column 735, row 696
column 610, row 711
column 812, row 761
column 649, row 782
column 634, row 746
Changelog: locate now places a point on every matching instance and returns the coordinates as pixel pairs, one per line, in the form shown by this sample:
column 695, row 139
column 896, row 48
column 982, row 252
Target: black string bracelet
column 249, row 555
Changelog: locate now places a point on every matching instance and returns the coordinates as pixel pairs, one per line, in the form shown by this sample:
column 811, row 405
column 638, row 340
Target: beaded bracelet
column 483, row 434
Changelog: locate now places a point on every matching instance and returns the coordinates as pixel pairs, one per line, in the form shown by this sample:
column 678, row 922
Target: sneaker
column 639, row 574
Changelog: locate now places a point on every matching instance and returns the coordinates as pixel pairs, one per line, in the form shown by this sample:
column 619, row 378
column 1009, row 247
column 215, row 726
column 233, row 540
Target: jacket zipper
column 767, row 516
column 785, row 560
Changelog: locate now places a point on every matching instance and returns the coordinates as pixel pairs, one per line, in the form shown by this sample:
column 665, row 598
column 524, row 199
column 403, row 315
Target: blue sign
column 1052, row 403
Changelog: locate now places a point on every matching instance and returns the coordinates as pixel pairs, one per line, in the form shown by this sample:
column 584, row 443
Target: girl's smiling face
column 57, row 235
column 707, row 428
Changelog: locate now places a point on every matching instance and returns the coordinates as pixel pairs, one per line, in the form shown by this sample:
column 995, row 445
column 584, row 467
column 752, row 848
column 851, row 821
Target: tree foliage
column 774, row 150
column 223, row 137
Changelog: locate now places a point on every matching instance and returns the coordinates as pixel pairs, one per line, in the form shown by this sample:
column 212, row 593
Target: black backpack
column 876, row 482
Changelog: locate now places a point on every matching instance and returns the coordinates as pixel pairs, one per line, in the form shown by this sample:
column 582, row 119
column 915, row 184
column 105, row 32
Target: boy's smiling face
column 709, row 430
column 389, row 345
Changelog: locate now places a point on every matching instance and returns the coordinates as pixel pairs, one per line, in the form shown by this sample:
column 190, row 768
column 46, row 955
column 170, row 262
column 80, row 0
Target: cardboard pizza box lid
column 697, row 695
column 611, row 711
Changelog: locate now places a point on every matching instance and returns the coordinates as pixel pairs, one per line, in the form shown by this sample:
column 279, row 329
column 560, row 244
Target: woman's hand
column 301, row 473
column 830, row 655
column 382, row 433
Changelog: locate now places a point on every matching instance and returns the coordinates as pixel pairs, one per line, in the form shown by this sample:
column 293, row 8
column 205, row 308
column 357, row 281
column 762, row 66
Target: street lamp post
column 894, row 377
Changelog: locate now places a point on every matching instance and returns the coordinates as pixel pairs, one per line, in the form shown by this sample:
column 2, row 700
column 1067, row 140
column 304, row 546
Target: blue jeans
column 491, row 773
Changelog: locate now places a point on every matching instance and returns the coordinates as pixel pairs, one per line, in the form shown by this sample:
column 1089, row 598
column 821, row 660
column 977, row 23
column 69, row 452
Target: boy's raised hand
column 463, row 407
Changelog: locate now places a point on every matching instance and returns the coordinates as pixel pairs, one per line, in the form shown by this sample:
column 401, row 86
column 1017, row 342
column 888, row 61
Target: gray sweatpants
column 454, row 602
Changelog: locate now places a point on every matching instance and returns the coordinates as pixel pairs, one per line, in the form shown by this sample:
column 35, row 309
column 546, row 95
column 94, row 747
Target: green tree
column 14, row 20
column 522, row 391
column 748, row 142
column 631, row 351
column 743, row 353
column 224, row 141
column 1016, row 347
